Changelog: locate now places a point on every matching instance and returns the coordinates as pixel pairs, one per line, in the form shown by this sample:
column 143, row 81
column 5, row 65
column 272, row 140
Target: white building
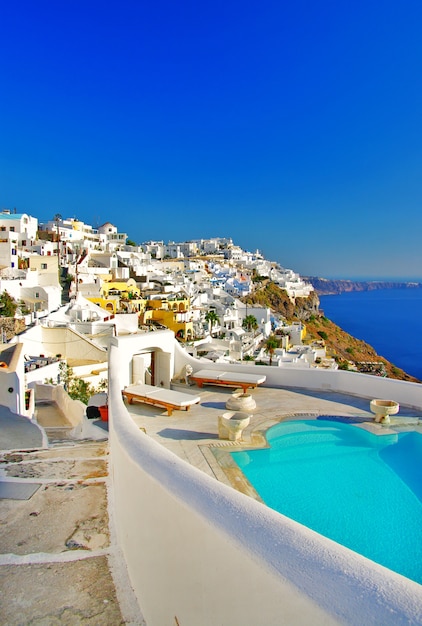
column 261, row 314
column 23, row 224
column 18, row 231
column 9, row 250
column 73, row 232
column 38, row 287
column 114, row 239
column 155, row 248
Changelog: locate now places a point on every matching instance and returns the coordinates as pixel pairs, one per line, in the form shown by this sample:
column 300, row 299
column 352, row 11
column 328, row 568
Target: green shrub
column 77, row 388
column 8, row 305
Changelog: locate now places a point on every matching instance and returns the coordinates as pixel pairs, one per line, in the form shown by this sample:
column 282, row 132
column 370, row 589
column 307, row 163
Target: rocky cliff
column 270, row 295
column 9, row 327
column 327, row 287
column 348, row 351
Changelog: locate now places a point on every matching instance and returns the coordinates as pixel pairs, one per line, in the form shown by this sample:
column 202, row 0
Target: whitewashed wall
column 14, row 399
column 12, row 389
column 162, row 341
column 362, row 385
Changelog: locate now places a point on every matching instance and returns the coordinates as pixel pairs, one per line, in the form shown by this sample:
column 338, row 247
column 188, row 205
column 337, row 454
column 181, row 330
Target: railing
column 199, row 552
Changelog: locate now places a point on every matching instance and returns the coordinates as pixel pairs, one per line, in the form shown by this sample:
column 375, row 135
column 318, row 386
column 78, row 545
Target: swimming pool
column 359, row 489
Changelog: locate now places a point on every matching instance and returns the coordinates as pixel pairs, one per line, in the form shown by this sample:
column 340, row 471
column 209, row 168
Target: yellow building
column 121, row 287
column 173, row 313
column 119, row 296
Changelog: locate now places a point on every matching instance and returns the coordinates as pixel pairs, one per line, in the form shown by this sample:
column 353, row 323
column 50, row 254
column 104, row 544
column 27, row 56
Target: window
column 43, row 266
column 12, row 229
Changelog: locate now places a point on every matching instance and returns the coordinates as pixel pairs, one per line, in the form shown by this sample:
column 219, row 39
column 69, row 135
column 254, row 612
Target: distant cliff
column 327, row 287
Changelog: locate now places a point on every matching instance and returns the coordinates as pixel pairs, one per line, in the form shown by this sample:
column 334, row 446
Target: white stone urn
column 383, row 409
column 239, row 401
column 231, row 425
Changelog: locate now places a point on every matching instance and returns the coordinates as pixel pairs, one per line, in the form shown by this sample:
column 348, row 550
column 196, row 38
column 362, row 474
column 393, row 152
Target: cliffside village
column 76, row 286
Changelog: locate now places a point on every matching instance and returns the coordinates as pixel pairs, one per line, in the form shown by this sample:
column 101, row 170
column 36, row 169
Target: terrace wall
column 340, row 381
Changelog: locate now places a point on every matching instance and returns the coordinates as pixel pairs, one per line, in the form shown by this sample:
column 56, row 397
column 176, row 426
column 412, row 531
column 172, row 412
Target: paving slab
column 76, row 450
column 56, row 469
column 59, row 594
column 17, row 491
column 59, row 517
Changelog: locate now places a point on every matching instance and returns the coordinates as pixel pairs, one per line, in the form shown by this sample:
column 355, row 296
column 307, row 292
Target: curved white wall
column 202, row 553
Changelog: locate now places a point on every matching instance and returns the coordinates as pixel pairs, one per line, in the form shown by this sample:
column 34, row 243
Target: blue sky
column 294, row 128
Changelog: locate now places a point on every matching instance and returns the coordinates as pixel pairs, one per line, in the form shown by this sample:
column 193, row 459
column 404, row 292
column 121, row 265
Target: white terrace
column 199, row 551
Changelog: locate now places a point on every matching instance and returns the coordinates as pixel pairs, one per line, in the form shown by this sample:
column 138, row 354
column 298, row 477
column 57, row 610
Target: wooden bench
column 231, row 379
column 159, row 396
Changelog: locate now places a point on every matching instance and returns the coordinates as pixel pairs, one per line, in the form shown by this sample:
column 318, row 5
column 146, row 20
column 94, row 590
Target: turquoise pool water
column 361, row 490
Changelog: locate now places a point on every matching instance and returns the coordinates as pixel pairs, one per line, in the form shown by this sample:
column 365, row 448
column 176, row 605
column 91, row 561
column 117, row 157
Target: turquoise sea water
column 361, row 490
column 388, row 319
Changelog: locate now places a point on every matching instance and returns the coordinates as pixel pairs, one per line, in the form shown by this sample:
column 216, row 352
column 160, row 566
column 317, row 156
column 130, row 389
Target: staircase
column 54, row 422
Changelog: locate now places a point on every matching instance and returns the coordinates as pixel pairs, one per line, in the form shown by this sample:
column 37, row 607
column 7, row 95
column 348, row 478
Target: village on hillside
column 98, row 491
column 66, row 288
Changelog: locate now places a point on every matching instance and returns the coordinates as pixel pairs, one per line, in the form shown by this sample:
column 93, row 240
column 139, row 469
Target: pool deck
column 193, row 436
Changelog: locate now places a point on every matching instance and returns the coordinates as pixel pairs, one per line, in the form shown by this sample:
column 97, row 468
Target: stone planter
column 383, row 409
column 239, row 401
column 231, row 425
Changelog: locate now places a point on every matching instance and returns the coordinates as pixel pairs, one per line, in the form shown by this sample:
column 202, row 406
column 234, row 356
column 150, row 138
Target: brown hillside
column 349, row 352
column 270, row 295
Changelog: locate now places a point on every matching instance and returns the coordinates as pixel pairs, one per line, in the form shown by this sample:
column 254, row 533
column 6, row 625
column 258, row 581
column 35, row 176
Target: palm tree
column 270, row 347
column 250, row 323
column 212, row 318
column 57, row 219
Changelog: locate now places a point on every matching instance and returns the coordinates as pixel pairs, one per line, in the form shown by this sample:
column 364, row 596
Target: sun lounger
column 160, row 397
column 231, row 379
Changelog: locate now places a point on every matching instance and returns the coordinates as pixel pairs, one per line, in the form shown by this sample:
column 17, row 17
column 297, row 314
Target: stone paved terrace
column 59, row 563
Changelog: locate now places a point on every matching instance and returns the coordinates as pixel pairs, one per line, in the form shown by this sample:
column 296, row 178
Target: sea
column 389, row 320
